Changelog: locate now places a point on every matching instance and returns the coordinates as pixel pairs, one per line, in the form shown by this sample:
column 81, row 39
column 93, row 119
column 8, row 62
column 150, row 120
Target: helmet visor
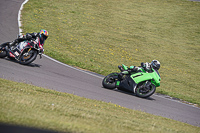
column 44, row 37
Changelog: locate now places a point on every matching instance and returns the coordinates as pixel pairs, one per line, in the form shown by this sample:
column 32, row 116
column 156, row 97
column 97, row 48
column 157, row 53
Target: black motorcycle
column 24, row 52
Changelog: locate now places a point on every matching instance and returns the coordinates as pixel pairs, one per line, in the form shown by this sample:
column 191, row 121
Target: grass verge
column 31, row 106
column 99, row 35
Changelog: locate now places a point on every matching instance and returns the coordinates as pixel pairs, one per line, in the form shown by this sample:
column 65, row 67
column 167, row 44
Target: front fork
column 145, row 85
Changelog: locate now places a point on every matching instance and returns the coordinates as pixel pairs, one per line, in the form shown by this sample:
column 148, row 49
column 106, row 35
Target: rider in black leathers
column 34, row 38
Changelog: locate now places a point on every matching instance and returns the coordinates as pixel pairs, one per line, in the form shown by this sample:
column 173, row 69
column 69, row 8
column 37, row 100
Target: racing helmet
column 43, row 34
column 155, row 64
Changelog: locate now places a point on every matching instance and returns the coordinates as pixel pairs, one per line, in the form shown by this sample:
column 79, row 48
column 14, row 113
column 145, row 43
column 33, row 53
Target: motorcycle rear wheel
column 109, row 82
column 3, row 52
column 142, row 92
column 28, row 57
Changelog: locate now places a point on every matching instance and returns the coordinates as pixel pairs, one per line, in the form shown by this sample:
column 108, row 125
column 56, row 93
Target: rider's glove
column 41, row 51
column 28, row 36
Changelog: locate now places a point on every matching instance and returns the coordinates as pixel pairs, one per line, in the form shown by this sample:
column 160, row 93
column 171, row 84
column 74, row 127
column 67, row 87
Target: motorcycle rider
column 34, row 38
column 155, row 64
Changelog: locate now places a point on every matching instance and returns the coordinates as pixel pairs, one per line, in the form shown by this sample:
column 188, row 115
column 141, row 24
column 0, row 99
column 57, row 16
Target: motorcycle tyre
column 147, row 94
column 109, row 85
column 3, row 53
column 34, row 55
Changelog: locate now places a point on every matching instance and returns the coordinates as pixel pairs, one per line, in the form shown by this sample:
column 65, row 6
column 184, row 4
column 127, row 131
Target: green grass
column 31, row 106
column 99, row 35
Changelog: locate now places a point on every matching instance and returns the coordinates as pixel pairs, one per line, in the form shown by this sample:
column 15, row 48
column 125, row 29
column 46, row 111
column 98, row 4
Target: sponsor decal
column 16, row 53
column 11, row 55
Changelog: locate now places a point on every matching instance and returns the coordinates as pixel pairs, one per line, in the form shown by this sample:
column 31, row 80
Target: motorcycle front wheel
column 28, row 57
column 143, row 91
column 109, row 81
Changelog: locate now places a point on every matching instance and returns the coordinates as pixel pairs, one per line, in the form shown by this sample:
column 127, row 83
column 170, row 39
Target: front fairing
column 141, row 76
column 17, row 51
column 156, row 78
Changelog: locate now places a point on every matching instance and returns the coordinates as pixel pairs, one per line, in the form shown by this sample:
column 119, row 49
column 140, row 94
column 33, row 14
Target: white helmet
column 155, row 64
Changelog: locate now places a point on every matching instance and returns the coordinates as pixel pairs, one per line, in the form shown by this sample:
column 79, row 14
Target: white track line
column 19, row 16
column 72, row 67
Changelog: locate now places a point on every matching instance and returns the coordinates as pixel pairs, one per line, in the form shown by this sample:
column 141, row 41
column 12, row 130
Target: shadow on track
column 29, row 65
column 129, row 93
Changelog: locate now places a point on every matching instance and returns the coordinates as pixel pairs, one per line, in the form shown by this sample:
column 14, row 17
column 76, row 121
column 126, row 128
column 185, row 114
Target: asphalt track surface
column 51, row 74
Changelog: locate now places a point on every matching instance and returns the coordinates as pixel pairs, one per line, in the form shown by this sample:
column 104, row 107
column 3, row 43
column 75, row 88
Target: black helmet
column 155, row 64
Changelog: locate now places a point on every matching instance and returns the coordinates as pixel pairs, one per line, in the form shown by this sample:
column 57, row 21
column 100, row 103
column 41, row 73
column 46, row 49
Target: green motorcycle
column 142, row 83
